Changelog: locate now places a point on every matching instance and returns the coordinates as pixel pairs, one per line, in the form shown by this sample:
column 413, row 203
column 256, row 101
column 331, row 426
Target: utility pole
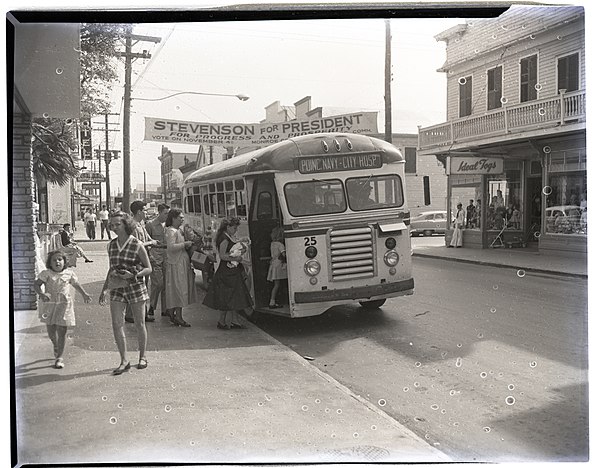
column 109, row 155
column 99, row 180
column 144, row 186
column 129, row 55
column 388, row 79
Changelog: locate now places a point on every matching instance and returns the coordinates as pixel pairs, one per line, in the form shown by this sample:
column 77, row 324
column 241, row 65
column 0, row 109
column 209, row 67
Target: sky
column 339, row 63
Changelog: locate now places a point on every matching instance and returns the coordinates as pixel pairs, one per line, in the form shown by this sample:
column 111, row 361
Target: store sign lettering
column 339, row 163
column 476, row 165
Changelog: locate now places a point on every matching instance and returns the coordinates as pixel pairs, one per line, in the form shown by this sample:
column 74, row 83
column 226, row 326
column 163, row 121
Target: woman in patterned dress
column 129, row 264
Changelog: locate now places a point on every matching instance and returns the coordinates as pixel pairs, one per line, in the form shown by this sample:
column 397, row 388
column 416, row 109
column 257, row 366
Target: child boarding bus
column 341, row 202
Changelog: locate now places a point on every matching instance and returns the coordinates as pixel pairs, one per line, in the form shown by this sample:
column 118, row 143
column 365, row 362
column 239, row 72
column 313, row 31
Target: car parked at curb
column 428, row 223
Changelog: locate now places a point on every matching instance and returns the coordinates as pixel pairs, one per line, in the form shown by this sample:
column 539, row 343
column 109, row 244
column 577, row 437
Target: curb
column 497, row 265
column 372, row 407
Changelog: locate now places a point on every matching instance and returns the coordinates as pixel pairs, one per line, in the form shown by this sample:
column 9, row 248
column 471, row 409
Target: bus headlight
column 391, row 258
column 312, row 268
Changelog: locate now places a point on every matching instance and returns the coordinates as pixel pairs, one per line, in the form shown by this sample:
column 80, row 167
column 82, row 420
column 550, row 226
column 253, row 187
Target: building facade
column 37, row 49
column 515, row 137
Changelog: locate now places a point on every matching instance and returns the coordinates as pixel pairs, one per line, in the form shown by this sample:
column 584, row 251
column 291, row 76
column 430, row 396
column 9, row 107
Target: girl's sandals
column 238, row 325
column 143, row 363
column 222, row 326
column 122, row 368
column 59, row 364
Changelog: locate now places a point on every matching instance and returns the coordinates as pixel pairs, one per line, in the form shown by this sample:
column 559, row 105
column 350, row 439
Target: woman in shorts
column 129, row 264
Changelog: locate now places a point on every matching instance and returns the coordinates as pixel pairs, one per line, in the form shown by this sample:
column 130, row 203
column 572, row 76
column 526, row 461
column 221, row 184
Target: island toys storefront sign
column 472, row 165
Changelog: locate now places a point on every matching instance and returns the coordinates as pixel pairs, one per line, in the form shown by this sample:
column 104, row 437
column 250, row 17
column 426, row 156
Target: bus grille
column 352, row 253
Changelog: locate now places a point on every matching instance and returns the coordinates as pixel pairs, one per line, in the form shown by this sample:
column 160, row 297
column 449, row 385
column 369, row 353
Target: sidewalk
column 527, row 260
column 207, row 396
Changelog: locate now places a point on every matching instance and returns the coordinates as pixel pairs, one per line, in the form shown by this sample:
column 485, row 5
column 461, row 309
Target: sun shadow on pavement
column 40, row 379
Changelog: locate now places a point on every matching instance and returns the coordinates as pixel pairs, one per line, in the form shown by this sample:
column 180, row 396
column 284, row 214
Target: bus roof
column 280, row 156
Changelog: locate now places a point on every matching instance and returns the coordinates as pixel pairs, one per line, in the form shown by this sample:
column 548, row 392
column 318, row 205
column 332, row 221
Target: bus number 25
column 312, row 240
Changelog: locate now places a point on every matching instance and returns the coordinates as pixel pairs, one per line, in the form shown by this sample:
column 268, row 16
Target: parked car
column 563, row 218
column 428, row 223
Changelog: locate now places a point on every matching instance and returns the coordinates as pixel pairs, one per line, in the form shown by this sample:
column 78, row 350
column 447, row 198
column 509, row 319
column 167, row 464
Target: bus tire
column 372, row 305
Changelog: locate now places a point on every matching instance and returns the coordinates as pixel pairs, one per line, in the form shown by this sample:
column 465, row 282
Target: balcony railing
column 541, row 113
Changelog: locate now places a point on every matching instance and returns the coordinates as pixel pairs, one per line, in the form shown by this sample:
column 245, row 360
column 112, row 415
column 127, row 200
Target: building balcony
column 542, row 117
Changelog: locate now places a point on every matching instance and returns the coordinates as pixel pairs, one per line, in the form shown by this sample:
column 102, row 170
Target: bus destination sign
column 339, row 162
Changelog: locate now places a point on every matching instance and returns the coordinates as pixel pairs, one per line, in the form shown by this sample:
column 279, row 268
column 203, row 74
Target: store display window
column 467, row 190
column 566, row 204
column 505, row 199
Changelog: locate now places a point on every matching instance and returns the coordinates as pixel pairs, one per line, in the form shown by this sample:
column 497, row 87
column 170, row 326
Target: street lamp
column 127, row 98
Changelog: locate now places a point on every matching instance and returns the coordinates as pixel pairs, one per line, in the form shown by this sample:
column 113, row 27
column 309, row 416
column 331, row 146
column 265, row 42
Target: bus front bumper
column 362, row 292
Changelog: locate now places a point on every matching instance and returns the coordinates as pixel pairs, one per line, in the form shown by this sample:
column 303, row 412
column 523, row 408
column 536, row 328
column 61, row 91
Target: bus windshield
column 373, row 192
column 315, row 197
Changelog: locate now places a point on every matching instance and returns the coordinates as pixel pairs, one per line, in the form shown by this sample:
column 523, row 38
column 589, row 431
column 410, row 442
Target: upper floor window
column 494, row 79
column 568, row 72
column 410, row 154
column 465, row 95
column 529, row 78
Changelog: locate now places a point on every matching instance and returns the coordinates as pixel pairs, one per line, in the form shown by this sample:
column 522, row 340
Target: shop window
column 505, row 195
column 465, row 96
column 467, row 191
column 494, row 79
column 566, row 204
column 529, row 78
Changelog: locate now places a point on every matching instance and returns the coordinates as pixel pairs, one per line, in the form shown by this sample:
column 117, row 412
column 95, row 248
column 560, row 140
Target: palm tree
column 53, row 140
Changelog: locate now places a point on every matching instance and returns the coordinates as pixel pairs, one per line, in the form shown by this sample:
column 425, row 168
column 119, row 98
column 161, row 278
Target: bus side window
column 265, row 206
column 240, row 204
column 206, row 204
column 197, row 207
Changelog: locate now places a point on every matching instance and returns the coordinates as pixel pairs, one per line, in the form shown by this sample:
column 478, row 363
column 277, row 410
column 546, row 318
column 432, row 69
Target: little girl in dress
column 278, row 267
column 56, row 309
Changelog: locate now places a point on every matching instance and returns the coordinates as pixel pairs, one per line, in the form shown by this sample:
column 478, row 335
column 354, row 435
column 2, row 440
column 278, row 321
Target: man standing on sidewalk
column 156, row 230
column 138, row 210
column 103, row 218
column 90, row 223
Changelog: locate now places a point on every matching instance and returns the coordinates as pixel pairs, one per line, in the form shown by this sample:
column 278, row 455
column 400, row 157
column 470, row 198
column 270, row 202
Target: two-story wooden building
column 515, row 137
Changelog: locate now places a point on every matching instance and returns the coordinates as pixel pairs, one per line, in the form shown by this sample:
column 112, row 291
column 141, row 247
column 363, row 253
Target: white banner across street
column 240, row 134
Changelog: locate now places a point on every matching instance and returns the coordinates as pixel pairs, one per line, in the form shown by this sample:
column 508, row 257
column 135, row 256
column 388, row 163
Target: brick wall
column 22, row 219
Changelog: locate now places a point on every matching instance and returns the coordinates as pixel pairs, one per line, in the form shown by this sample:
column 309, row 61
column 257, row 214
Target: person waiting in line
column 180, row 287
column 66, row 239
column 156, row 230
column 278, row 267
column 228, row 292
column 125, row 285
column 459, row 225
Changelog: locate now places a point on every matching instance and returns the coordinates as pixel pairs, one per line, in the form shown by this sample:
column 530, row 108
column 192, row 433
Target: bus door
column 264, row 215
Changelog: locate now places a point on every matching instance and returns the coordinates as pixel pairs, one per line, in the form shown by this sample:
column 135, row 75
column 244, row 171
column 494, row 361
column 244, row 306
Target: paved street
column 480, row 362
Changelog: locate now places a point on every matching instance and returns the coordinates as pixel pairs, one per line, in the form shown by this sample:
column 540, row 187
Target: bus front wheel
column 370, row 305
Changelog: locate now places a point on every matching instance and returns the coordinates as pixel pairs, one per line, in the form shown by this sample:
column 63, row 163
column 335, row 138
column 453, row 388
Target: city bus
column 340, row 199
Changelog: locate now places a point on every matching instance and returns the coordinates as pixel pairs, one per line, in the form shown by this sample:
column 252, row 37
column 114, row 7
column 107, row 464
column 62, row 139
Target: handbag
column 116, row 282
